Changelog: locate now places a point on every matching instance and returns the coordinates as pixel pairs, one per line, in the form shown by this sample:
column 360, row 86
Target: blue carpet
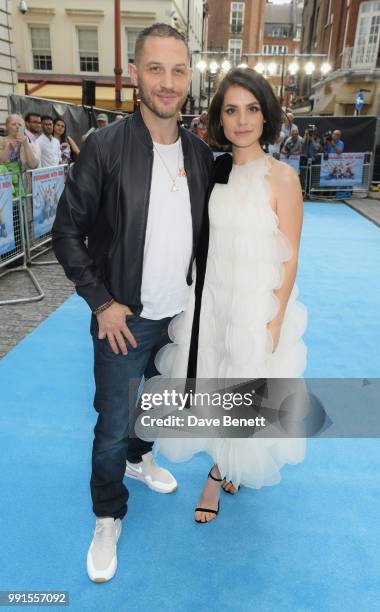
column 309, row 544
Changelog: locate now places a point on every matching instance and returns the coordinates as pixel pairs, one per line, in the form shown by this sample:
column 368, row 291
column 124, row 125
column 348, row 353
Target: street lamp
column 304, row 61
column 293, row 68
column 325, row 68
column 309, row 68
column 226, row 65
column 201, row 65
column 259, row 67
column 214, row 67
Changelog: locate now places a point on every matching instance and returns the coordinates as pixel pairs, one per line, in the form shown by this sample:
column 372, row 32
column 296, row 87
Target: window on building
column 278, row 30
column 234, row 49
column 131, row 36
column 367, row 36
column 275, row 49
column 298, row 32
column 237, row 17
column 88, row 50
column 41, row 50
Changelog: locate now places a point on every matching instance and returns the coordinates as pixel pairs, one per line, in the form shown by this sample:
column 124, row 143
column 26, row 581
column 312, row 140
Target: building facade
column 58, row 44
column 348, row 31
column 8, row 73
column 234, row 30
column 282, row 38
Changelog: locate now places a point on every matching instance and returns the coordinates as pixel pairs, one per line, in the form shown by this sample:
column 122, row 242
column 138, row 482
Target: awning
column 105, row 96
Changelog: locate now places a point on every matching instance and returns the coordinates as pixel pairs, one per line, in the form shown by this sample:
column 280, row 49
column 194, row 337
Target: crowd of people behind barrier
column 39, row 141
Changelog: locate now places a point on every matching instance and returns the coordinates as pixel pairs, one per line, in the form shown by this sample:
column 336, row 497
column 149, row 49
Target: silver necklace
column 173, row 180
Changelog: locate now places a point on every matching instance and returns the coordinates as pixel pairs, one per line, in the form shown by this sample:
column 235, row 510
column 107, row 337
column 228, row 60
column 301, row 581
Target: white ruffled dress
column 244, row 267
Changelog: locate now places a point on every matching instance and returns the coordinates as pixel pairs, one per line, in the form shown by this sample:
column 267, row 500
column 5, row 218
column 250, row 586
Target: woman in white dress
column 251, row 325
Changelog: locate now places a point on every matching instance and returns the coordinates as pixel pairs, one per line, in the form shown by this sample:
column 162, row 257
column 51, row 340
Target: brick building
column 348, row 31
column 251, row 32
column 235, row 28
column 282, row 37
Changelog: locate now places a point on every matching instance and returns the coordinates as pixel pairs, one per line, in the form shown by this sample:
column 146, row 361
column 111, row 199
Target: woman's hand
column 21, row 137
column 274, row 328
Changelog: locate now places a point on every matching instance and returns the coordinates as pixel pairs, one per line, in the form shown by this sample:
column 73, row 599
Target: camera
column 23, row 7
column 311, row 128
column 328, row 135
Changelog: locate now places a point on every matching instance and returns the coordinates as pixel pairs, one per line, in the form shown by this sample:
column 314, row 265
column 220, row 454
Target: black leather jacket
column 106, row 199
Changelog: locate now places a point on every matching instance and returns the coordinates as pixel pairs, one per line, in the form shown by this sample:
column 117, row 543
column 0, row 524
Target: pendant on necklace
column 174, row 188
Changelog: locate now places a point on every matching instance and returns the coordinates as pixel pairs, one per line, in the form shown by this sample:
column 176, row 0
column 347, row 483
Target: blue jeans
column 113, row 401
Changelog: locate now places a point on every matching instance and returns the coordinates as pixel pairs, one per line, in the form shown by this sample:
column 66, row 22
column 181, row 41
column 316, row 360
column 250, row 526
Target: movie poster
column 47, row 186
column 7, row 234
column 343, row 170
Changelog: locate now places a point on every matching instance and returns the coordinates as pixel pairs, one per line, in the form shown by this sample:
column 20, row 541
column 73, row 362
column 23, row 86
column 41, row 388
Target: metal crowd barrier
column 37, row 245
column 304, row 179
column 19, row 252
column 332, row 193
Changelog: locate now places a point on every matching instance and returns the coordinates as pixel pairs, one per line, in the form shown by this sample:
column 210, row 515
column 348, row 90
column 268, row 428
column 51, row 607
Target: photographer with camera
column 333, row 143
column 293, row 144
column 311, row 145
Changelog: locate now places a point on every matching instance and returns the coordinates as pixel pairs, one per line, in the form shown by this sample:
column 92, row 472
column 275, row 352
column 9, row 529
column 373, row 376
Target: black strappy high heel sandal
column 209, row 509
column 230, row 482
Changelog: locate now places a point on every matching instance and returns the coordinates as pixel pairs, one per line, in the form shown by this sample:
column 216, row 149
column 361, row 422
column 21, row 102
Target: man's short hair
column 29, row 115
column 46, row 118
column 162, row 30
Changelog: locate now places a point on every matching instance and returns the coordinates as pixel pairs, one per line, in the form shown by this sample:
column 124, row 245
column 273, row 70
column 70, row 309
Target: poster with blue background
column 47, row 186
column 342, row 170
column 7, row 233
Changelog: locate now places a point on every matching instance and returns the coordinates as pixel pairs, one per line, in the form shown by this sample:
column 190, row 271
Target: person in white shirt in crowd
column 33, row 126
column 50, row 147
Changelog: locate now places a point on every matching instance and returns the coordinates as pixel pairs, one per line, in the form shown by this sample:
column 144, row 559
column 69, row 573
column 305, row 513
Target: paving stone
column 18, row 320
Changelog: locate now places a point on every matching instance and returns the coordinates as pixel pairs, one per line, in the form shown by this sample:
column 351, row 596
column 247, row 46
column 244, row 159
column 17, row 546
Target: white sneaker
column 155, row 477
column 101, row 556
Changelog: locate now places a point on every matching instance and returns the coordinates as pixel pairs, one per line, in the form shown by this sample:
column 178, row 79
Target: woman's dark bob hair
column 263, row 92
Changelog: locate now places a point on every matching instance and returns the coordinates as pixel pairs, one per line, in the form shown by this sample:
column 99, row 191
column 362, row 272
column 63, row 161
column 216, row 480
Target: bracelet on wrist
column 103, row 307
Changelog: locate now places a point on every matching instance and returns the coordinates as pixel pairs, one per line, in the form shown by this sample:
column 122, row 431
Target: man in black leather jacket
column 138, row 192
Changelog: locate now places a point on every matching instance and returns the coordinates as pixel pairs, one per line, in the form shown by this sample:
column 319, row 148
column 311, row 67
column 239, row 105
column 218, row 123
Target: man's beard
column 145, row 99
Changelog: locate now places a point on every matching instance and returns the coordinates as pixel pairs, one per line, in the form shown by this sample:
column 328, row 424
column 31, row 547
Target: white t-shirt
column 50, row 151
column 169, row 236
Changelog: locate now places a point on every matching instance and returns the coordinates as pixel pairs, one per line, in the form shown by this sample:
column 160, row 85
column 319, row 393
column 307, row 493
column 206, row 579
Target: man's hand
column 112, row 325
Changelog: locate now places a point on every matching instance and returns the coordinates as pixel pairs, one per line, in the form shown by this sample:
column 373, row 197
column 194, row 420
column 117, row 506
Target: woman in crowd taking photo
column 15, row 146
column 69, row 148
column 251, row 323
